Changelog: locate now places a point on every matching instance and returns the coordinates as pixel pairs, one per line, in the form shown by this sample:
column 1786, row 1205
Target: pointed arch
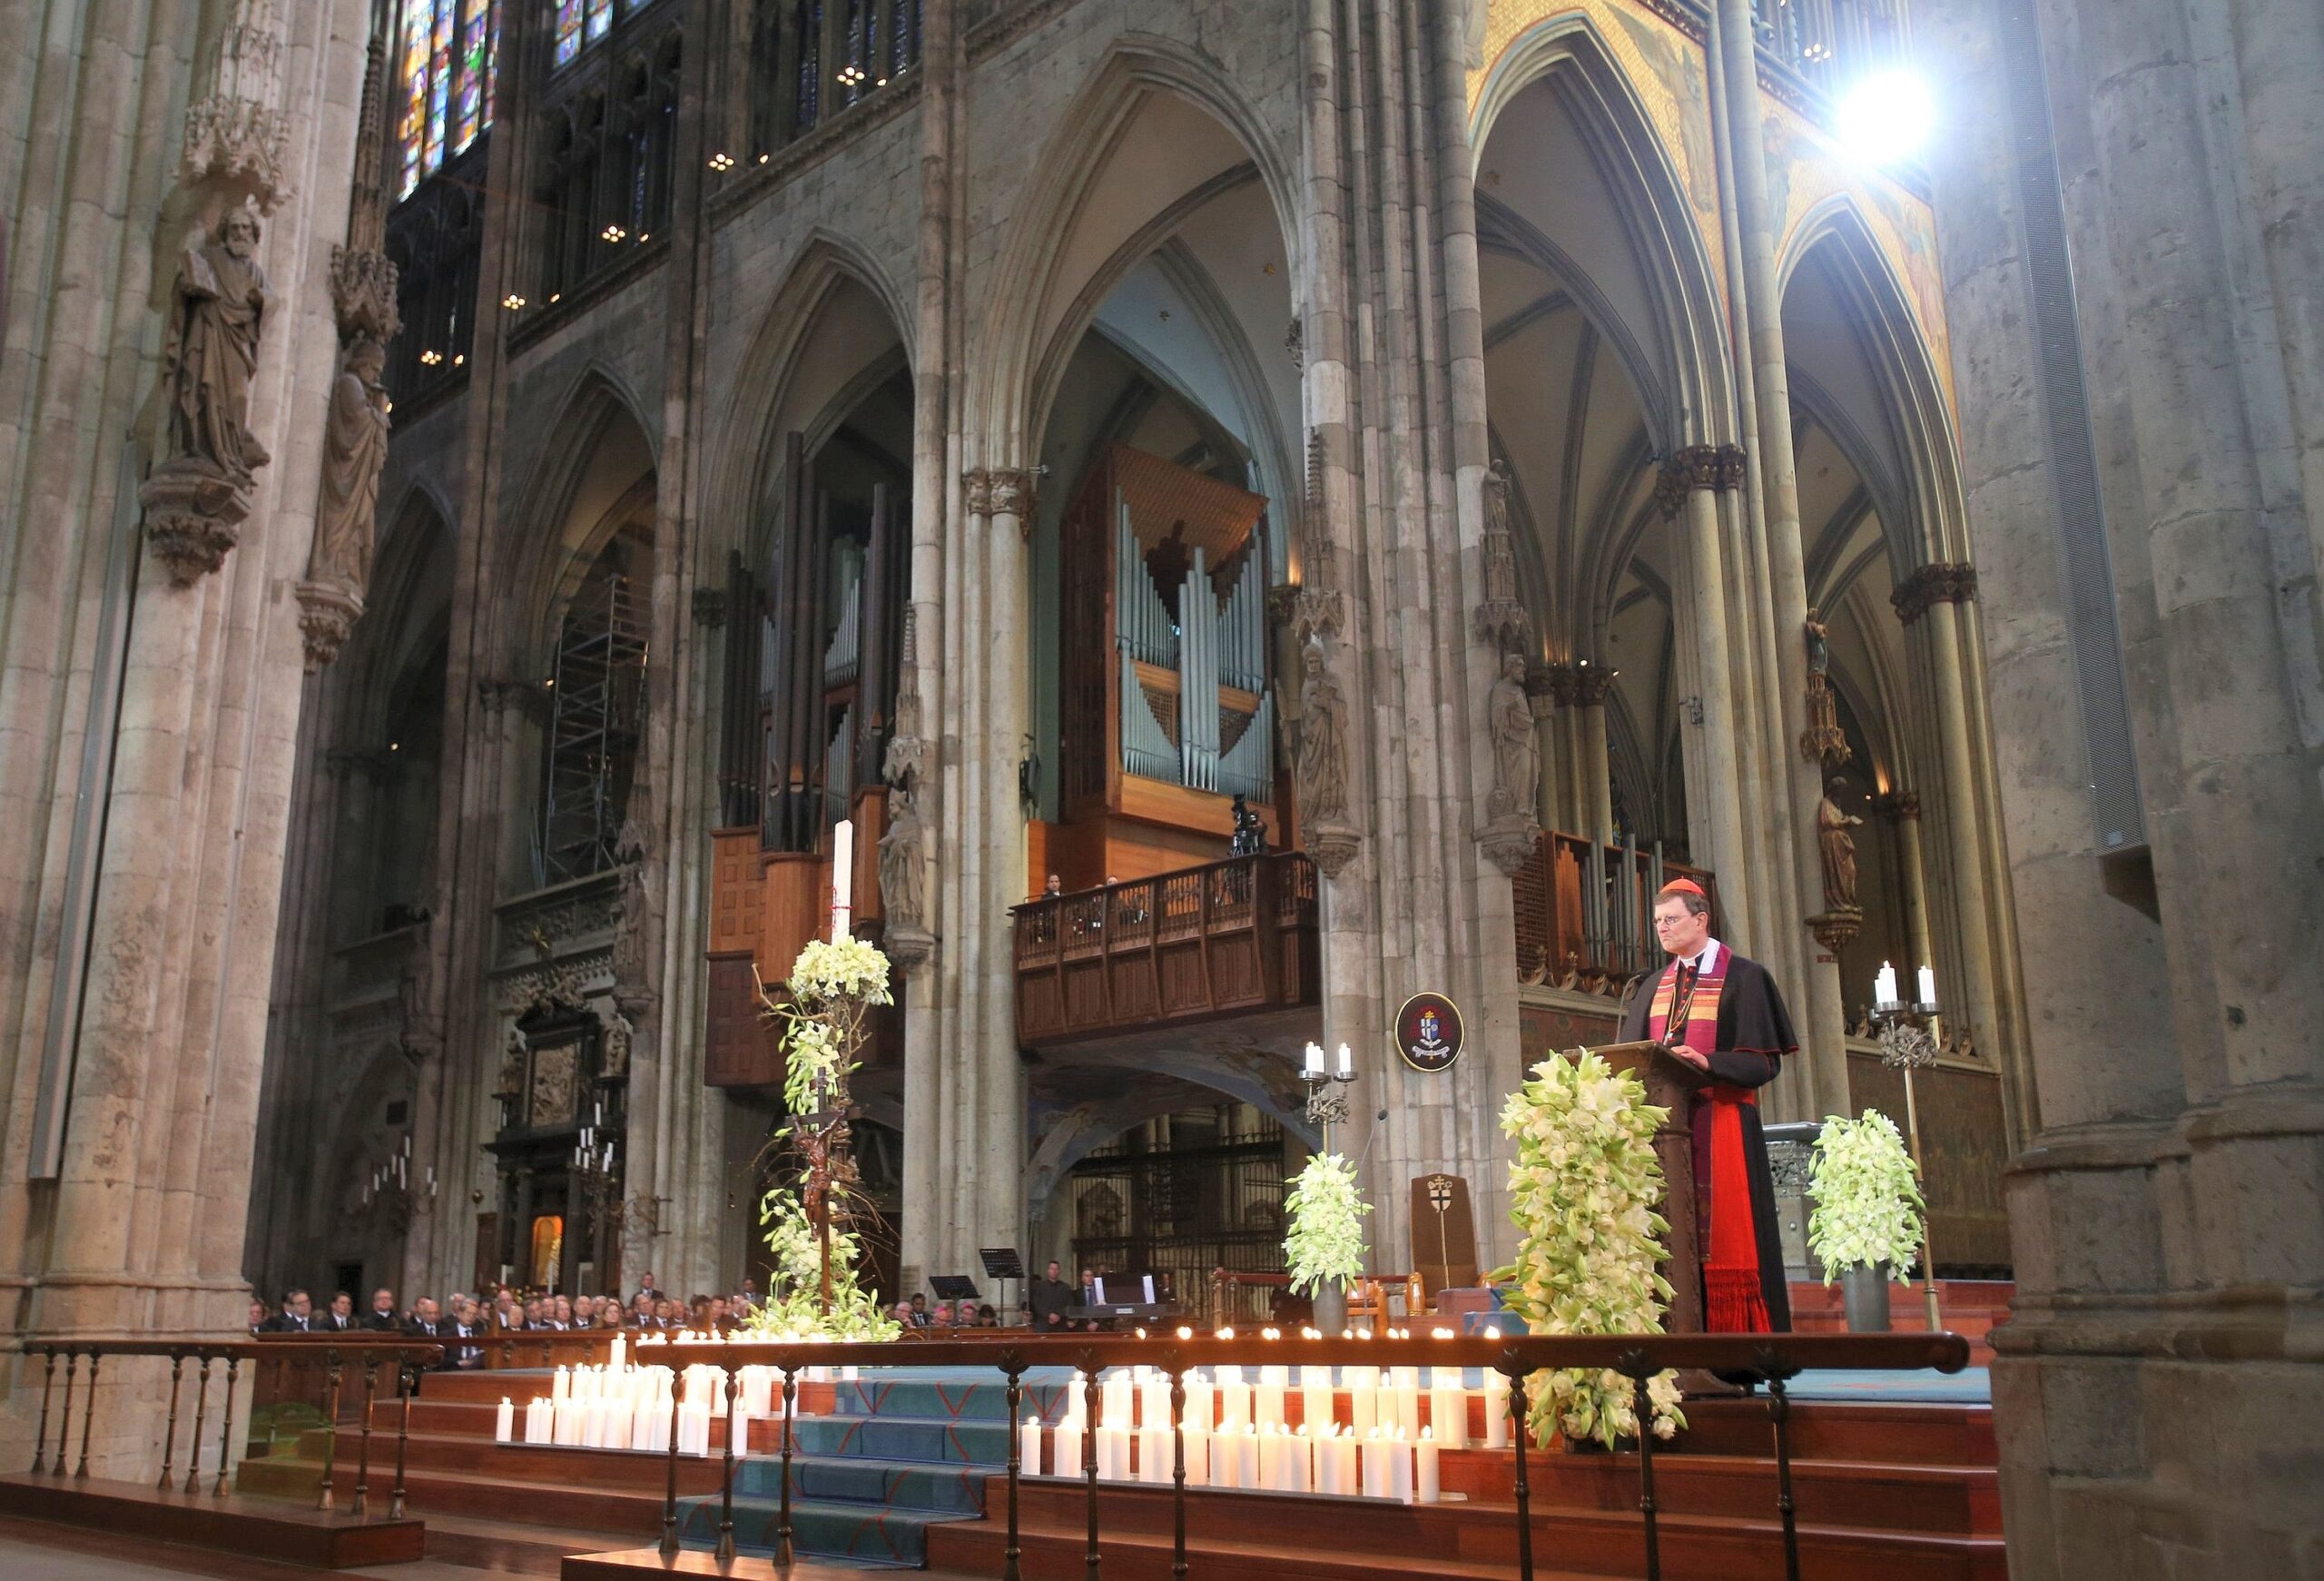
column 746, row 452
column 594, row 474
column 1665, row 239
column 1916, row 415
column 1039, row 315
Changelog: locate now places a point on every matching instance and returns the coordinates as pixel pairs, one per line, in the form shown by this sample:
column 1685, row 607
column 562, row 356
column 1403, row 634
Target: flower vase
column 1331, row 1307
column 1864, row 1291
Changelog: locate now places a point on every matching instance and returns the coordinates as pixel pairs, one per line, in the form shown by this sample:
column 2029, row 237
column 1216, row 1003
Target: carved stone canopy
column 193, row 516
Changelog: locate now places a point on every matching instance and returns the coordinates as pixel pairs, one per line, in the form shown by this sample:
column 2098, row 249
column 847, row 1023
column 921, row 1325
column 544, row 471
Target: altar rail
column 1770, row 1359
column 1176, row 947
column 1585, row 912
column 327, row 1358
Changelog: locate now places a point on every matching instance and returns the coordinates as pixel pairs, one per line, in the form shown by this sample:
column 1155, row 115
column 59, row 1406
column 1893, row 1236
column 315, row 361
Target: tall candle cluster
column 1369, row 1432
column 625, row 1406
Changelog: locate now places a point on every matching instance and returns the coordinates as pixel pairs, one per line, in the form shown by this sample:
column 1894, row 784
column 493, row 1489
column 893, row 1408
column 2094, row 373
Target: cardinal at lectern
column 1723, row 1014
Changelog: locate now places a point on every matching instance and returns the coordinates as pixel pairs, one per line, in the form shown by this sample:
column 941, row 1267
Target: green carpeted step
column 957, row 1489
column 861, row 1534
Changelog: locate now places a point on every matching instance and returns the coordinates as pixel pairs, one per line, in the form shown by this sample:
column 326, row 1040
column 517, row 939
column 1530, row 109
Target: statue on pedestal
column 1838, row 847
column 198, row 493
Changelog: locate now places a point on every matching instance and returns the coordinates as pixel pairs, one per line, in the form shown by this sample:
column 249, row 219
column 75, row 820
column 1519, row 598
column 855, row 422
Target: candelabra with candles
column 1908, row 1044
column 390, row 1184
column 1327, row 1090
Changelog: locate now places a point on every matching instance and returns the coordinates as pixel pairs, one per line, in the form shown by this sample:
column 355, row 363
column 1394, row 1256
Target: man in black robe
column 1723, row 1014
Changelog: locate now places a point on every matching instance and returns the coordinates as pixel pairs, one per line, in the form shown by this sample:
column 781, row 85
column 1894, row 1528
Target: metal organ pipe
column 1198, row 677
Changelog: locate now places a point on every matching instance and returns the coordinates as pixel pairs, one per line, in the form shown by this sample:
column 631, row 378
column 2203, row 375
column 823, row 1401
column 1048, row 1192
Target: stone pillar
column 1934, row 594
column 2157, row 1392
column 1902, row 809
column 1820, row 1076
column 1689, row 489
column 1593, row 768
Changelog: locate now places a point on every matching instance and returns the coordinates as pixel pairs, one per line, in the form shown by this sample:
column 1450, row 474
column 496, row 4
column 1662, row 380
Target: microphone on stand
column 1366, row 1153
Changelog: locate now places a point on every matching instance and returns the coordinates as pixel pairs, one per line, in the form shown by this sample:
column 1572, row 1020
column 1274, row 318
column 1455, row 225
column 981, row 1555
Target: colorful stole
column 1687, row 1016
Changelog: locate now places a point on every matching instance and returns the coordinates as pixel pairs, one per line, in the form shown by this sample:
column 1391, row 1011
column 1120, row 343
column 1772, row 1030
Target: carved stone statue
column 1838, row 849
column 904, row 875
column 218, row 310
column 354, row 447
column 1322, row 741
column 1516, row 751
column 630, row 924
column 612, row 1060
column 1822, row 741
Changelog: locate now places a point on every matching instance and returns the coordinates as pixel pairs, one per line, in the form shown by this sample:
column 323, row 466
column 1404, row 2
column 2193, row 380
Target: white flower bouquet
column 1582, row 1192
column 1869, row 1205
column 1326, row 1242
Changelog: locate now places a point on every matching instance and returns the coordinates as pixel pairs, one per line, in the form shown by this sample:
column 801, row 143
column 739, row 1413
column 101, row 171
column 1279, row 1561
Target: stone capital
column 497, row 693
column 710, row 606
column 1590, row 684
column 1939, row 583
column 1509, row 841
column 1332, row 846
column 1002, row 491
column 1715, row 468
column 1898, row 807
column 1834, row 929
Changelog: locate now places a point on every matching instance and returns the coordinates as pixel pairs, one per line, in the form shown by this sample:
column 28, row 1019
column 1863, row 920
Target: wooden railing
column 330, row 1361
column 1201, row 942
column 1585, row 912
column 1770, row 1360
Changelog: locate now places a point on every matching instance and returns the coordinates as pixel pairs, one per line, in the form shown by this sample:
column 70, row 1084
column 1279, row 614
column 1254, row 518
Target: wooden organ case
column 1163, row 708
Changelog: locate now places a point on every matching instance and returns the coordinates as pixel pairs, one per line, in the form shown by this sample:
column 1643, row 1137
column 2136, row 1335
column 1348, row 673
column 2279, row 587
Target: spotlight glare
column 1886, row 117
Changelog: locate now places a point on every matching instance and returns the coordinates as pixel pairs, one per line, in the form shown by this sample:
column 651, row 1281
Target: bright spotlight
column 1886, row 117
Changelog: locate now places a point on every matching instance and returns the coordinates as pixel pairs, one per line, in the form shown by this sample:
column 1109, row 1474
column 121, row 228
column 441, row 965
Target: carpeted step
column 940, row 1441
column 981, row 1396
column 861, row 1534
column 948, row 1489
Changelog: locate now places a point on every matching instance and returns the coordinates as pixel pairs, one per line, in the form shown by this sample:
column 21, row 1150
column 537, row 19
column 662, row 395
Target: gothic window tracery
column 609, row 132
column 810, row 59
column 449, row 57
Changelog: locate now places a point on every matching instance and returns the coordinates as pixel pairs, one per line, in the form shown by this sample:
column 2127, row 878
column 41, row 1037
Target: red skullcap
column 1682, row 886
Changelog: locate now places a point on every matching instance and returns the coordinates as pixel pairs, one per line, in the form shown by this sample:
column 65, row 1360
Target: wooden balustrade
column 271, row 1361
column 1772, row 1359
column 1585, row 912
column 1178, row 947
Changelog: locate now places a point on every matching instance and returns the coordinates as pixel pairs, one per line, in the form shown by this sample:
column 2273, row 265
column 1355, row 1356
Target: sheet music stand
column 1002, row 1264
column 953, row 1287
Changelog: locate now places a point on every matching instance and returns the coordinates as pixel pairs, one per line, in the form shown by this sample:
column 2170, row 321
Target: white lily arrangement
column 1868, row 1204
column 834, row 986
column 1582, row 1192
column 1324, row 1244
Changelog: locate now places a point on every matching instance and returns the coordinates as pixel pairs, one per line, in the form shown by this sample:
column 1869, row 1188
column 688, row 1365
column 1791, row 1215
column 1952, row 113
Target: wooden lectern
column 1444, row 1233
column 1671, row 1083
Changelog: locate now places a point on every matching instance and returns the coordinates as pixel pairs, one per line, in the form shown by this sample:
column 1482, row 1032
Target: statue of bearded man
column 210, row 356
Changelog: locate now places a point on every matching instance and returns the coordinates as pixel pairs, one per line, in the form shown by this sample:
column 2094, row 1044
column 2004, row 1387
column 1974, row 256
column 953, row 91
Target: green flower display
column 1582, row 1192
column 1869, row 1206
column 794, row 1307
column 1326, row 1208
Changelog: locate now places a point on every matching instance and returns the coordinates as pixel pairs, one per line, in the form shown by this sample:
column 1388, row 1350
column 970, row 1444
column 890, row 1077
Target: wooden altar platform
column 251, row 1528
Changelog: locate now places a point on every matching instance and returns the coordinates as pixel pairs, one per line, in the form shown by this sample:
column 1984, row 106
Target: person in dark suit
column 297, row 1316
column 340, row 1317
column 468, row 1325
column 428, row 1324
column 381, row 1319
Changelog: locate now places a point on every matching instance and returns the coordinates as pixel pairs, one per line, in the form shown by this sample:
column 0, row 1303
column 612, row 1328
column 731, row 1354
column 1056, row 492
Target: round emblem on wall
column 1428, row 1032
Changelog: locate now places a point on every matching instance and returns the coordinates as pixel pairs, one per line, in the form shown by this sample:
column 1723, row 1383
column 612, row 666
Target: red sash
column 1732, row 1300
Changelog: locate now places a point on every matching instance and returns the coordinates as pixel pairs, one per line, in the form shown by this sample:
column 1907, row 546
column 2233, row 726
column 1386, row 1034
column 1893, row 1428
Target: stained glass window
column 569, row 29
column 449, row 57
column 601, row 17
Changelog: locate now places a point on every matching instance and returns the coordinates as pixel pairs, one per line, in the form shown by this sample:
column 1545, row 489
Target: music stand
column 1002, row 1264
column 955, row 1288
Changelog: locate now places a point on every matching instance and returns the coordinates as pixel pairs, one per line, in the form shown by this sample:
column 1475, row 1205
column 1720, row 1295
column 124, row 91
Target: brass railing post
column 200, row 1411
column 1179, row 1466
column 328, row 1497
column 47, row 1382
column 1013, row 1366
column 170, row 1433
column 363, row 1438
column 1640, row 1371
column 1778, row 1378
column 226, row 1425
column 726, row 1478
column 1520, row 1489
column 1089, row 1450
column 783, row 1549
column 408, row 1385
column 670, row 1498
column 64, row 1427
column 88, row 1417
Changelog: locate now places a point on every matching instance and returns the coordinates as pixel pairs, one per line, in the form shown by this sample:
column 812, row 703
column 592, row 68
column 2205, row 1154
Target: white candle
column 1375, row 1465
column 561, row 1387
column 1154, row 1404
column 1400, row 1468
column 1299, row 1462
column 1337, row 1473
column 1199, row 1406
column 621, row 1351
column 1407, row 1405
column 1347, row 1061
column 1315, row 1406
column 1496, row 1410
column 1156, row 1460
column 1314, row 1066
column 1266, row 1406
column 1247, row 1459
column 1198, row 1441
column 1234, row 1403
column 1066, row 1448
column 1076, row 1402
column 1426, row 1486
column 1884, row 986
column 1448, row 1414
column 842, row 876
column 504, row 1421
column 1363, row 1407
column 538, row 1421
column 1113, row 1453
column 1028, row 1448
column 1226, row 1459
column 1115, row 1400
column 1271, row 1451
column 1928, row 985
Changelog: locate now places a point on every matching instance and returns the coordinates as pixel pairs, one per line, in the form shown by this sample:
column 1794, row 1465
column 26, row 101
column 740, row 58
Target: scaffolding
column 596, row 724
